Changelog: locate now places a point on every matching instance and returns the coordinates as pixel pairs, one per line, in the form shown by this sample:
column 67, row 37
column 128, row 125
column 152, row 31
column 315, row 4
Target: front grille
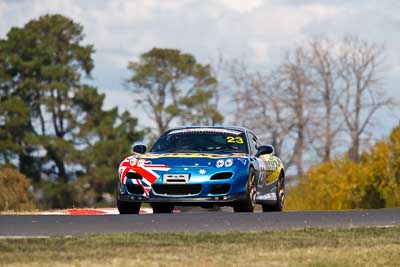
column 177, row 189
column 218, row 189
column 134, row 188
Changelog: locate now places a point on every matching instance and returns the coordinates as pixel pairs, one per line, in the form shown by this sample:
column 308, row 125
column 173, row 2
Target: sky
column 258, row 31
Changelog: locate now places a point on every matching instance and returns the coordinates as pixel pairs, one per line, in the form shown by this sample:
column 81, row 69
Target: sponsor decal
column 193, row 155
column 268, row 196
column 263, row 174
column 273, row 167
column 184, row 155
column 202, row 130
column 243, row 161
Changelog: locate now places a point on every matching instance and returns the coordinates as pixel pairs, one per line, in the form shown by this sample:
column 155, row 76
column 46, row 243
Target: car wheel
column 280, row 196
column 249, row 204
column 162, row 208
column 125, row 207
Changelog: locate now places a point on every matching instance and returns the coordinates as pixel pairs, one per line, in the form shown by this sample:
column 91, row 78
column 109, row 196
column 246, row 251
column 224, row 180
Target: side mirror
column 265, row 150
column 141, row 149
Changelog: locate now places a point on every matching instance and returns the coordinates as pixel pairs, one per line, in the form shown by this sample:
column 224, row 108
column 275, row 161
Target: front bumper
column 206, row 184
column 217, row 200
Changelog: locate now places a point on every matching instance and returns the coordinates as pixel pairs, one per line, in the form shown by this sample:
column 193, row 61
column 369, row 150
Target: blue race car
column 202, row 166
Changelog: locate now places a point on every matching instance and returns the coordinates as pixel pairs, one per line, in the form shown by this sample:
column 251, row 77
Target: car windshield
column 201, row 140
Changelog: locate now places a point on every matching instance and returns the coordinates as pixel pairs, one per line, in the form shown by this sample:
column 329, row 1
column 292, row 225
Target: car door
column 258, row 163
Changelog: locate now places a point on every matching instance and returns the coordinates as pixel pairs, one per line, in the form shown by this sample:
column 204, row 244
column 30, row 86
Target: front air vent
column 218, row 189
column 221, row 176
column 133, row 175
column 134, row 188
column 177, row 189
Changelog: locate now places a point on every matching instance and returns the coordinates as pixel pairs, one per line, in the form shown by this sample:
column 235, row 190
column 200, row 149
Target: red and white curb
column 107, row 211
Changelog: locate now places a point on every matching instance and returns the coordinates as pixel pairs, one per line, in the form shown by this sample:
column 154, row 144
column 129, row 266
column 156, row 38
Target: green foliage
column 41, row 66
column 374, row 182
column 51, row 123
column 172, row 85
column 54, row 195
column 14, row 190
column 15, row 115
column 201, row 112
column 116, row 134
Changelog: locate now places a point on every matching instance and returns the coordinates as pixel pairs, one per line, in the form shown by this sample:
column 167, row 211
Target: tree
column 14, row 189
column 114, row 134
column 278, row 105
column 372, row 182
column 51, row 123
column 171, row 85
column 257, row 94
column 321, row 93
column 326, row 73
column 362, row 95
column 42, row 65
column 296, row 82
column 345, row 79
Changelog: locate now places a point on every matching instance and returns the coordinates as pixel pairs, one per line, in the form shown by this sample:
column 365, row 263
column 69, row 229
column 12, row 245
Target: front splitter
column 182, row 200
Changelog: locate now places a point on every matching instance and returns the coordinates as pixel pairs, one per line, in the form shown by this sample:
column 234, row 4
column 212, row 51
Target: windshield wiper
column 222, row 150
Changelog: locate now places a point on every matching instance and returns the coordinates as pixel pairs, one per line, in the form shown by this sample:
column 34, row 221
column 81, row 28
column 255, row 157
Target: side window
column 257, row 142
column 253, row 143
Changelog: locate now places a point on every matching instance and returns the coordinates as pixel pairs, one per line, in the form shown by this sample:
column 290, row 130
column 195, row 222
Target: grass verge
column 308, row 247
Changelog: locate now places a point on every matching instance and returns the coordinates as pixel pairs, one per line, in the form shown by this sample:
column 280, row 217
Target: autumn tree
column 170, row 85
column 14, row 189
column 372, row 182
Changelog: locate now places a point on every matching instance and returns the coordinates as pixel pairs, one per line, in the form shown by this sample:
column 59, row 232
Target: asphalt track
column 64, row 225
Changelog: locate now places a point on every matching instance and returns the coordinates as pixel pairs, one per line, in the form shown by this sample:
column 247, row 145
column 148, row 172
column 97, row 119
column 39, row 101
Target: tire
column 280, row 196
column 248, row 204
column 125, row 207
column 162, row 208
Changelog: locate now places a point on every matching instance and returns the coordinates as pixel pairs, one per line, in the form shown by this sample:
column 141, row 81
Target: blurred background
column 81, row 81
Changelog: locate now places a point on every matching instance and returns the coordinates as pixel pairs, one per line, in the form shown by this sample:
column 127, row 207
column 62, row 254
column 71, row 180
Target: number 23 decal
column 232, row 139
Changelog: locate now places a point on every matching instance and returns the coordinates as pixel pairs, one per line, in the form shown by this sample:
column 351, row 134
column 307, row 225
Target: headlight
column 220, row 163
column 228, row 162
